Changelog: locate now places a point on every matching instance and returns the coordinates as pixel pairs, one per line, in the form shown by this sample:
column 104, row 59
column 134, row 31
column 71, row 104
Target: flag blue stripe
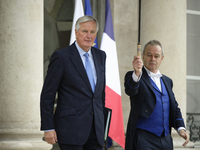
column 88, row 11
column 109, row 23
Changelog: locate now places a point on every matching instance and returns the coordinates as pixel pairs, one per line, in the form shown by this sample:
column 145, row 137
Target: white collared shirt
column 155, row 77
column 150, row 74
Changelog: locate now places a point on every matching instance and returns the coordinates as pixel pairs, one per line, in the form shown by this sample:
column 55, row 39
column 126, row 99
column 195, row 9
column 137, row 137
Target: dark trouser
column 91, row 144
column 145, row 140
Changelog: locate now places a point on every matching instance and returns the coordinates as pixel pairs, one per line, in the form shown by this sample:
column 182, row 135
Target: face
column 152, row 57
column 86, row 35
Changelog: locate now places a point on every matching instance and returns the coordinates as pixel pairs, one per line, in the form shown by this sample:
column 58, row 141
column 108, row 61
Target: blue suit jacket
column 77, row 105
column 143, row 100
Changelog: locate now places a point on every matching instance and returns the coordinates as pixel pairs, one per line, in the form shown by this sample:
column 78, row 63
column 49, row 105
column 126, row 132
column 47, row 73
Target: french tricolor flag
column 113, row 89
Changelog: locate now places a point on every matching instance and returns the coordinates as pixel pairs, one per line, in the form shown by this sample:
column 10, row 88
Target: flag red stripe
column 116, row 131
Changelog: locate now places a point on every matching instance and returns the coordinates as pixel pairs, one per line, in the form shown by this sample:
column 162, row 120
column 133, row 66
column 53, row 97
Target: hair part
column 86, row 18
column 153, row 43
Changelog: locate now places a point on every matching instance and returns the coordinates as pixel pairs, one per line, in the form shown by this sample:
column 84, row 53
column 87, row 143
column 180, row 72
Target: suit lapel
column 146, row 79
column 166, row 83
column 97, row 65
column 77, row 61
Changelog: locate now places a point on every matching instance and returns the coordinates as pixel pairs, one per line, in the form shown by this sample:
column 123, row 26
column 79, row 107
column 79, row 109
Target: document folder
column 107, row 119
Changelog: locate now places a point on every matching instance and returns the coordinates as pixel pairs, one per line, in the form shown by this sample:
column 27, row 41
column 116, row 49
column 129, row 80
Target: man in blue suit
column 154, row 110
column 78, row 122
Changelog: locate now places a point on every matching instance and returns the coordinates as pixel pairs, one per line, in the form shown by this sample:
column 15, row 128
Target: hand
column 184, row 135
column 137, row 65
column 50, row 137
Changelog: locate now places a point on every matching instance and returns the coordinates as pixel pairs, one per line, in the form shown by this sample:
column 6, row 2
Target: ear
column 76, row 32
column 143, row 57
column 162, row 57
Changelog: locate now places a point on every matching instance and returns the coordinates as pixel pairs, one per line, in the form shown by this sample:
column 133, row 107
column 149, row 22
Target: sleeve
column 49, row 90
column 131, row 87
column 179, row 122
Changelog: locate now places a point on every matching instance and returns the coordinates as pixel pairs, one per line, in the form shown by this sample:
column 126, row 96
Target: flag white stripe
column 78, row 12
column 112, row 70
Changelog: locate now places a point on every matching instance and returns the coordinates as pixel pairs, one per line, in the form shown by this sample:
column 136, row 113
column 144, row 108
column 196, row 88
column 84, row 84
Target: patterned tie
column 88, row 69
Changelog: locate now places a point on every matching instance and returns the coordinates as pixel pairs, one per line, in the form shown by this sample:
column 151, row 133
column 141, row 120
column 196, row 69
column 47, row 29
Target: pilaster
column 21, row 67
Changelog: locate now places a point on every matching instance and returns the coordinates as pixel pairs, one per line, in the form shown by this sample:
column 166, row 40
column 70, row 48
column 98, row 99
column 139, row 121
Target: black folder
column 107, row 119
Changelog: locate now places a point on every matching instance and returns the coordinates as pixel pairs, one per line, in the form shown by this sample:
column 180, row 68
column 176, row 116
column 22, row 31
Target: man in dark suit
column 77, row 74
column 154, row 110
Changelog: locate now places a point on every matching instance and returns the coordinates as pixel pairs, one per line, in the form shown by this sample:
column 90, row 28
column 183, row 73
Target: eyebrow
column 157, row 54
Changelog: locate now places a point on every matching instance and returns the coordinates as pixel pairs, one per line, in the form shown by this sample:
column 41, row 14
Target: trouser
column 91, row 144
column 144, row 140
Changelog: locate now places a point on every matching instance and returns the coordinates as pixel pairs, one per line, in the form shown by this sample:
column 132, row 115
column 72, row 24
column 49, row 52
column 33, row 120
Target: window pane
column 193, row 44
column 193, row 5
column 193, row 96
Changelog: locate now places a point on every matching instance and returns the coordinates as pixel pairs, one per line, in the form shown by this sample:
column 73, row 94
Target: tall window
column 193, row 68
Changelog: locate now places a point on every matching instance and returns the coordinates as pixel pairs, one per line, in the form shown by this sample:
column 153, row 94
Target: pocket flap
column 68, row 112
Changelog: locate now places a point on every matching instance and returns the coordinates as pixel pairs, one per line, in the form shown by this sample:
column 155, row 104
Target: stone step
column 177, row 140
column 183, row 148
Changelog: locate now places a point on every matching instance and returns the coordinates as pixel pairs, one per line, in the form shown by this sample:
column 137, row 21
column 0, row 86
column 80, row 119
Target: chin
column 88, row 45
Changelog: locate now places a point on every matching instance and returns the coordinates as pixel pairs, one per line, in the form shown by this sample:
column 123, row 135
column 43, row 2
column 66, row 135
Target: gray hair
column 153, row 43
column 85, row 19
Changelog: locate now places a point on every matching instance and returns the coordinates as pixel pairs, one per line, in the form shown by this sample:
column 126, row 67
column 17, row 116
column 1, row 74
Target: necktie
column 156, row 79
column 88, row 69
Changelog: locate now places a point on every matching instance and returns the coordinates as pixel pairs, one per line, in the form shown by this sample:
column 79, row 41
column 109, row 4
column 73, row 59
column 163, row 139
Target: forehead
column 153, row 49
column 90, row 24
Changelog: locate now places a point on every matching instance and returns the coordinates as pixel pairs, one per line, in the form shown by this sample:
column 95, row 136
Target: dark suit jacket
column 143, row 100
column 77, row 105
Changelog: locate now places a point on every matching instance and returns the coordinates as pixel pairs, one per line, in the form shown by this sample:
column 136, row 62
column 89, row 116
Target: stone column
column 125, row 15
column 21, row 74
column 166, row 21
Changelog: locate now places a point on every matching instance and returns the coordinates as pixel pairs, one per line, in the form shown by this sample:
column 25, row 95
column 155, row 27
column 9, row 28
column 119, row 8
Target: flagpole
column 139, row 21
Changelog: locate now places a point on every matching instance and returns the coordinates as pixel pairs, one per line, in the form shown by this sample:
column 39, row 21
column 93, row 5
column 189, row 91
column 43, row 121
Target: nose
column 153, row 57
column 88, row 35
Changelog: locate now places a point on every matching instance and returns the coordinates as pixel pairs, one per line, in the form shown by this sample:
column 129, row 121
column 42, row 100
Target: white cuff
column 180, row 128
column 49, row 130
column 136, row 78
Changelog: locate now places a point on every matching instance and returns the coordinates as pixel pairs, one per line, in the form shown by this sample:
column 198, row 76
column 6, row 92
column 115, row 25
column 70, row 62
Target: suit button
column 92, row 113
column 146, row 111
column 93, row 99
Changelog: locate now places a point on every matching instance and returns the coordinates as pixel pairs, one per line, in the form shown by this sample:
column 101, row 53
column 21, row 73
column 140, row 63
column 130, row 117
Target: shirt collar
column 81, row 51
column 151, row 74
